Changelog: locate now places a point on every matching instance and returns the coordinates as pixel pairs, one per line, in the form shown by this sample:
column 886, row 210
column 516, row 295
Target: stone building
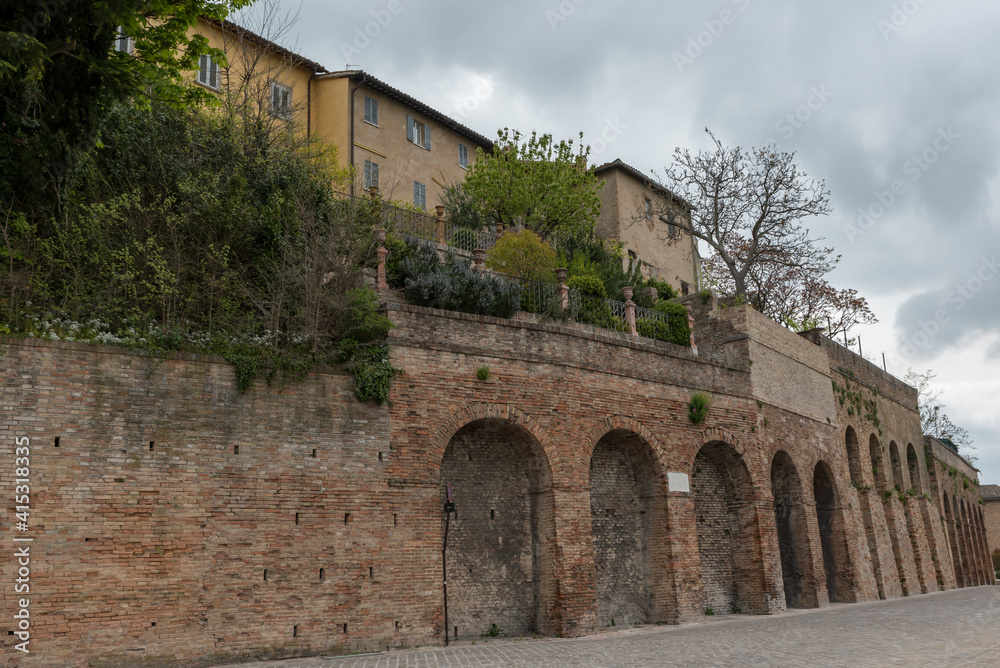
column 176, row 521
column 632, row 212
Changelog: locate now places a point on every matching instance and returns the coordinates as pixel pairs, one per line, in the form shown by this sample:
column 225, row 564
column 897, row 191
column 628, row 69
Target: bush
column 455, row 286
column 523, row 255
column 399, row 250
column 677, row 329
column 698, row 407
column 588, row 284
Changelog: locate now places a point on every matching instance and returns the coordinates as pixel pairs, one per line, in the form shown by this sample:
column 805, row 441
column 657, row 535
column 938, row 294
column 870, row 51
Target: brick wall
column 180, row 522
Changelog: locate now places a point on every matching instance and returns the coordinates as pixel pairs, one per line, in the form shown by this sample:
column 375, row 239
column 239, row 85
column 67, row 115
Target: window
column 685, row 288
column 651, row 271
column 371, row 110
column 418, row 133
column 419, row 195
column 647, row 207
column 208, row 72
column 463, row 156
column 281, row 100
column 123, row 42
column 371, row 174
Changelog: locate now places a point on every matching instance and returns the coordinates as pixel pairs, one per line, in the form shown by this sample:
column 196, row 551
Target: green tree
column 523, row 255
column 536, row 181
column 60, row 73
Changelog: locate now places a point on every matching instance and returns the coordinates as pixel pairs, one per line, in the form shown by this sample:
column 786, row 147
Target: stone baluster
column 382, row 252
column 440, row 225
column 563, row 288
column 630, row 310
column 479, row 258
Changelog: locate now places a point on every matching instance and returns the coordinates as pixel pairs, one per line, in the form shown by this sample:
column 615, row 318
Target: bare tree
column 933, row 420
column 748, row 207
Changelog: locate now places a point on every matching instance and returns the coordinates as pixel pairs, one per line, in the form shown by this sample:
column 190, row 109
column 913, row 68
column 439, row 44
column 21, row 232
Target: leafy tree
column 933, row 420
column 749, row 207
column 60, row 73
column 523, row 255
column 537, row 182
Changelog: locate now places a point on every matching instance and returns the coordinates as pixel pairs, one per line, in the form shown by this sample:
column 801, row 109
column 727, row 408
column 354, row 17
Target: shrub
column 698, row 407
column 675, row 330
column 588, row 284
column 483, row 372
column 523, row 255
column 399, row 250
column 454, row 286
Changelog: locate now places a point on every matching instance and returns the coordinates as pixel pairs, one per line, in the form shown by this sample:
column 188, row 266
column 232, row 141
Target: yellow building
column 632, row 211
column 410, row 151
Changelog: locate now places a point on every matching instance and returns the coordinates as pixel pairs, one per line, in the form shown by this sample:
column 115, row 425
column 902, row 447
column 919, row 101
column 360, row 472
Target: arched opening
column 963, row 544
column 956, row 554
column 897, row 467
column 732, row 570
column 913, row 464
column 500, row 542
column 878, row 468
column 628, row 525
column 970, row 545
column 832, row 536
column 790, row 521
column 854, row 457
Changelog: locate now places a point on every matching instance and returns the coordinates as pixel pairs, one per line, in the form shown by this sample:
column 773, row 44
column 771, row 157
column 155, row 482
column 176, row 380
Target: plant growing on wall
column 698, row 407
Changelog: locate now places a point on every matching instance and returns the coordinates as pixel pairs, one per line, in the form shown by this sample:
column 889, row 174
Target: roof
column 650, row 183
column 413, row 103
column 951, row 446
column 989, row 492
column 267, row 44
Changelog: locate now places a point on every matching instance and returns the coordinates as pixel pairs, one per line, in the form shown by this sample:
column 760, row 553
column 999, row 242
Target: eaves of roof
column 267, row 44
column 650, row 183
column 413, row 103
column 989, row 492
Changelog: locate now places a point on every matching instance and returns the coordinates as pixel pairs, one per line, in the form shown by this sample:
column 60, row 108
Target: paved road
column 948, row 629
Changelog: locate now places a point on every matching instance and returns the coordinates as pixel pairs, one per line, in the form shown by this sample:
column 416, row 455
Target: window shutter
column 416, row 194
column 409, row 128
column 375, row 174
column 427, row 137
column 374, row 111
column 213, row 77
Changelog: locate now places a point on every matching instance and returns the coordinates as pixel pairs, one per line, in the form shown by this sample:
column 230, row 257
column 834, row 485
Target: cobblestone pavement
column 954, row 628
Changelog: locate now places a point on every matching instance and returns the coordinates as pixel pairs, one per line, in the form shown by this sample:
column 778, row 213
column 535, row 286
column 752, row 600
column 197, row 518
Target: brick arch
column 496, row 460
column 485, row 411
column 628, row 523
column 719, row 435
column 828, row 500
column 624, row 423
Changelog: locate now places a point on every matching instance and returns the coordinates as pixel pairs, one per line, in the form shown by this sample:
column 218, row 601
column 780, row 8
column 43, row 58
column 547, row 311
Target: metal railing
column 544, row 299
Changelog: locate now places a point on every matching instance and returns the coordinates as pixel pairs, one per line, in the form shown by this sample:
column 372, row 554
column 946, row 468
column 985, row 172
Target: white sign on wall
column 678, row 482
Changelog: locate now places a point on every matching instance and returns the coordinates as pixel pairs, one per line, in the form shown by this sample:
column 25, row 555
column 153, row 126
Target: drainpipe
column 309, row 104
column 350, row 102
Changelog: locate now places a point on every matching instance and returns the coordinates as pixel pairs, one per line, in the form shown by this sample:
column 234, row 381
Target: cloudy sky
column 894, row 103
